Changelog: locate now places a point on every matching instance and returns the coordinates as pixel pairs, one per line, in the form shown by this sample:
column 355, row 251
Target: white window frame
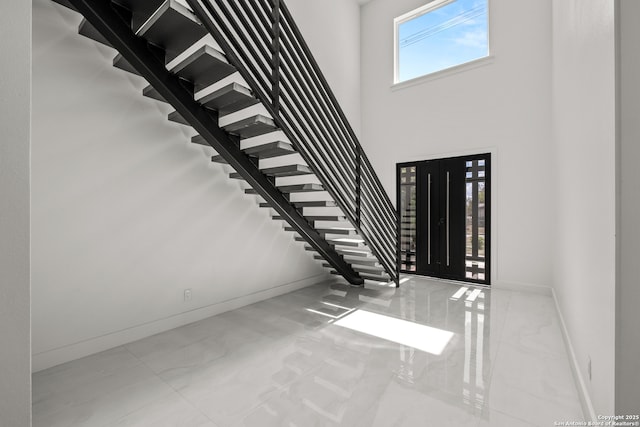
column 427, row 8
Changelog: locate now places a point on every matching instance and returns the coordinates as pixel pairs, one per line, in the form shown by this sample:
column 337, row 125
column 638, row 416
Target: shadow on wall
column 127, row 213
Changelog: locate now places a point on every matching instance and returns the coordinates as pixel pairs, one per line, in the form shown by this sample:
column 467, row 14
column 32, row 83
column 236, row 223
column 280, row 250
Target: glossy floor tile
column 430, row 353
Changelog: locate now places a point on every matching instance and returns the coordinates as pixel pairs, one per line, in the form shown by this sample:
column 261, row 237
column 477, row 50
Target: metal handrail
column 262, row 40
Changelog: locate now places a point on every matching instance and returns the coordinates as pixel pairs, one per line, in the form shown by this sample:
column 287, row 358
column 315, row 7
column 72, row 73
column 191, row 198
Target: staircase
column 241, row 75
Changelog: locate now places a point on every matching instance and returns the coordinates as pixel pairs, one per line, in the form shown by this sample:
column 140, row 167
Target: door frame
column 492, row 232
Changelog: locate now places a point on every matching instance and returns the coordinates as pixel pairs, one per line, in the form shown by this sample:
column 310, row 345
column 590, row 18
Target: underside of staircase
column 179, row 53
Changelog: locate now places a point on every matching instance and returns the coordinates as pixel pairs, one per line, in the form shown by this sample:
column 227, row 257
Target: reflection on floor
column 426, row 354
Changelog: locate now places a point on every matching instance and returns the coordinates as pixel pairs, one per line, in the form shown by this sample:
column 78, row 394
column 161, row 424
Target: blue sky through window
column 450, row 35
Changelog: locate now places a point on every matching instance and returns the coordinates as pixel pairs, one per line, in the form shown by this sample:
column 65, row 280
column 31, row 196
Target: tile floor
column 312, row 358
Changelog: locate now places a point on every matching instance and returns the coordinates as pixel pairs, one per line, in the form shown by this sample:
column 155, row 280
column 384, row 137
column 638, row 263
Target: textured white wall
column 127, row 213
column 502, row 107
column 583, row 109
column 628, row 297
column 332, row 31
column 15, row 92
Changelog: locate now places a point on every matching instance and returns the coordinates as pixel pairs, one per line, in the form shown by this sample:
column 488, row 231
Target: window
column 440, row 35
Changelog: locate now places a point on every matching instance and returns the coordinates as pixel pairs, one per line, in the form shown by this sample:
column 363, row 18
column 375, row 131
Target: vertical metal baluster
column 275, row 60
column 358, row 184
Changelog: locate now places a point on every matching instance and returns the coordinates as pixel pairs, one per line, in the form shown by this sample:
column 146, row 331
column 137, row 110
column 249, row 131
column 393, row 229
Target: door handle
column 448, row 208
column 429, row 221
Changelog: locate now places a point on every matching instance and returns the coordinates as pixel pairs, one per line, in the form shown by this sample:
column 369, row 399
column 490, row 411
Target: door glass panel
column 408, row 219
column 475, row 261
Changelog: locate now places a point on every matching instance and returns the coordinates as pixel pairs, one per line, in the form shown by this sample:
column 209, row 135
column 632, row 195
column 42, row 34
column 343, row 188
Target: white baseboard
column 508, row 286
column 583, row 392
column 67, row 353
column 523, row 287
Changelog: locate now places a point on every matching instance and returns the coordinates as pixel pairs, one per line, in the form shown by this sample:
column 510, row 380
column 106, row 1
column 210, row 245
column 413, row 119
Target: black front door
column 444, row 217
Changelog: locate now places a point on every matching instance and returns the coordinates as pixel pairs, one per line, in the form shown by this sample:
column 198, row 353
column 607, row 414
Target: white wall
column 15, row 90
column 502, row 107
column 628, row 292
column 583, row 107
column 127, row 213
column 332, row 31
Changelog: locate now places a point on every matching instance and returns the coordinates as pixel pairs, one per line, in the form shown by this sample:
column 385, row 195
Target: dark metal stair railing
column 263, row 42
column 372, row 190
column 112, row 22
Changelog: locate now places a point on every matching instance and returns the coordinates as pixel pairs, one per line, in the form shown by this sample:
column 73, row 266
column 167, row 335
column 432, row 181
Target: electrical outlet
column 187, row 295
column 589, row 367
